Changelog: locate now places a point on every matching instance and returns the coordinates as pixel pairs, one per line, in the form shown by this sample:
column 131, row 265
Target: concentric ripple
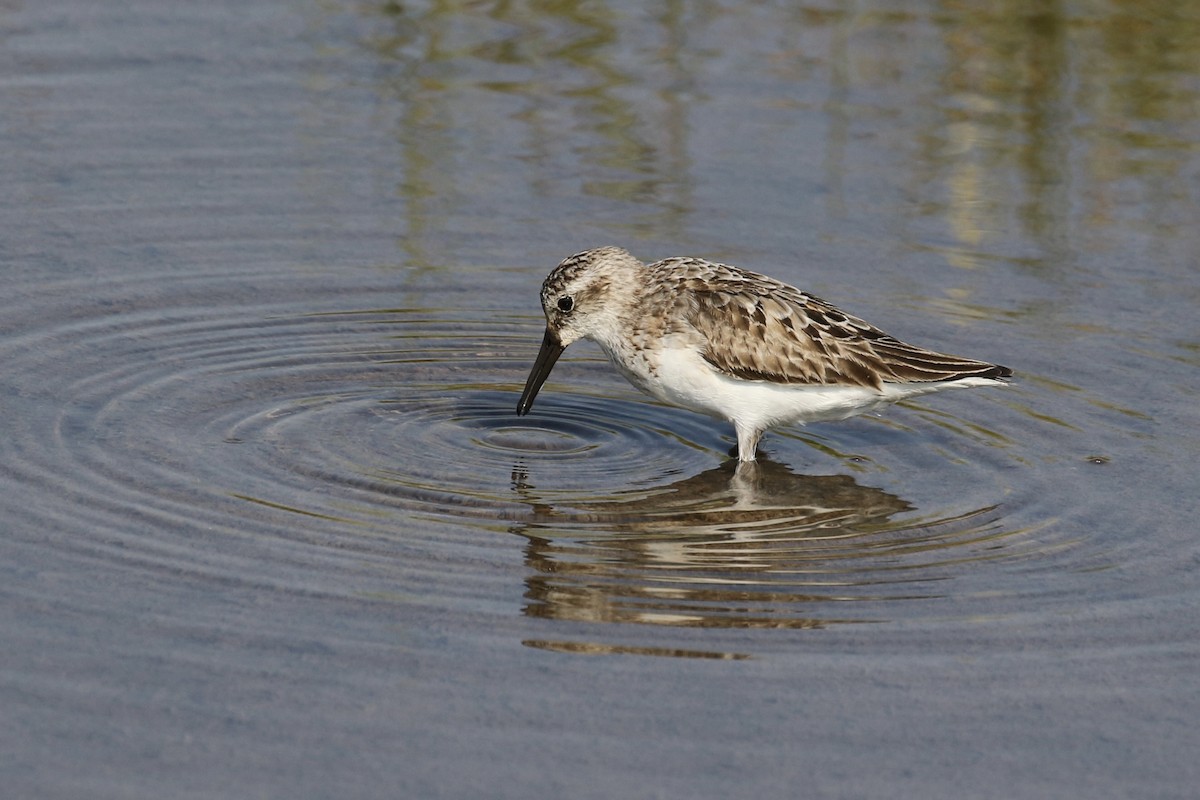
column 313, row 441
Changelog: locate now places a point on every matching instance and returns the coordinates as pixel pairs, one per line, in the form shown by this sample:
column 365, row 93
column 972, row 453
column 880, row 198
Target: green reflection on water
column 1016, row 109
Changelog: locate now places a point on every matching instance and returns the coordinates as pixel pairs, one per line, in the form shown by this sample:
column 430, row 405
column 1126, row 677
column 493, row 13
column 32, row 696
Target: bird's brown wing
column 757, row 328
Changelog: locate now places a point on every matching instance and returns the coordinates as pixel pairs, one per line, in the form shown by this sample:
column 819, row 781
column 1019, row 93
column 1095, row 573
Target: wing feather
column 756, row 328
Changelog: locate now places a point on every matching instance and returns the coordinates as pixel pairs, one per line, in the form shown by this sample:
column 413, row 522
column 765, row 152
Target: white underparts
column 685, row 379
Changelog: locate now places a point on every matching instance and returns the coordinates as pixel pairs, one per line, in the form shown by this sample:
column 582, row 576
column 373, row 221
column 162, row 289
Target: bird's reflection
column 739, row 546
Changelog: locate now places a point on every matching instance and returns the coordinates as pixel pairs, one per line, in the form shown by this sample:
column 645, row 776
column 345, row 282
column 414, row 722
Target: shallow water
column 269, row 281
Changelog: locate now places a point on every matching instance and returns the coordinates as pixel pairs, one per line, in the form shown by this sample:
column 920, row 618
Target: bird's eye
column 565, row 303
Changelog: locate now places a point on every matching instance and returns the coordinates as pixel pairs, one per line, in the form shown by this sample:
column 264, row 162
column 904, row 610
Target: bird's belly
column 683, row 378
column 680, row 376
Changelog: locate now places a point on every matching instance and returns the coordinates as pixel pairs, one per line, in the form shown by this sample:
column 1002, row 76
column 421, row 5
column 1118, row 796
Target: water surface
column 269, row 281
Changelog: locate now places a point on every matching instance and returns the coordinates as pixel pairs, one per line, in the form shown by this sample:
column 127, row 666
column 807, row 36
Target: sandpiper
column 734, row 344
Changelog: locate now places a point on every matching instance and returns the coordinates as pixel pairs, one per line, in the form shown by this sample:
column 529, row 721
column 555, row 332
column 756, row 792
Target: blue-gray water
column 268, row 293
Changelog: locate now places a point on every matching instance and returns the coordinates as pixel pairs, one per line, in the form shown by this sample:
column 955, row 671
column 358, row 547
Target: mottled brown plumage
column 758, row 328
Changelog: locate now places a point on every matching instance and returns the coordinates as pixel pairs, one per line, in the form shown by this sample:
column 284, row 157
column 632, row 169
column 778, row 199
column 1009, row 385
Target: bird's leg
column 747, row 441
